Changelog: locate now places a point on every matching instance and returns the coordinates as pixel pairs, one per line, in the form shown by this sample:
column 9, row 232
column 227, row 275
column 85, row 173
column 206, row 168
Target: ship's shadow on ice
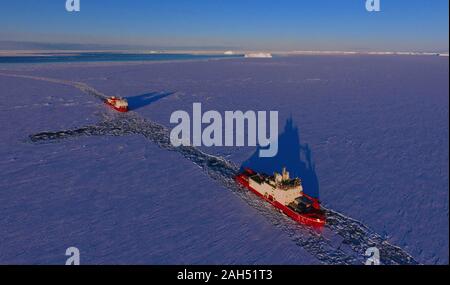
column 293, row 155
column 140, row 101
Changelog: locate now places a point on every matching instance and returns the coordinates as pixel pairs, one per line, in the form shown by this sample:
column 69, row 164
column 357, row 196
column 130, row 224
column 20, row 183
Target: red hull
column 302, row 219
column 122, row 110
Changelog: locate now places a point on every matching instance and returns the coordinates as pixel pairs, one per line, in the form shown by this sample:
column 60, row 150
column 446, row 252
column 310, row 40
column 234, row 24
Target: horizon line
column 11, row 45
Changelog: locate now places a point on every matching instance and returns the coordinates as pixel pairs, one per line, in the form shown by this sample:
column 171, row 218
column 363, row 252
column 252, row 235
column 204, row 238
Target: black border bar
column 247, row 274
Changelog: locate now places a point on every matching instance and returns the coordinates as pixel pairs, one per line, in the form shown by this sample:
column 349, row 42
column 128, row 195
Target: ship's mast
column 285, row 174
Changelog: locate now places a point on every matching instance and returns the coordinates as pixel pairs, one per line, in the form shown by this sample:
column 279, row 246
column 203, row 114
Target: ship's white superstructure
column 279, row 187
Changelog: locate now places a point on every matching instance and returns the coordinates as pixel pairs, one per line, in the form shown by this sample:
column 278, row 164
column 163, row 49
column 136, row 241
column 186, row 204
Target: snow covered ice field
column 368, row 134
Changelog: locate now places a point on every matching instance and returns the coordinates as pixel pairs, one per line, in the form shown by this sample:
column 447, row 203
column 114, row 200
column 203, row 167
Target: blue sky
column 420, row 25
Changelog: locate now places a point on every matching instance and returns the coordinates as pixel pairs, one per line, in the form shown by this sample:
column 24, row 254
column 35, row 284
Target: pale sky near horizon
column 416, row 25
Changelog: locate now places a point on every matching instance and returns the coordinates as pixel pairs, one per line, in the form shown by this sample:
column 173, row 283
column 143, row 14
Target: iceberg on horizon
column 258, row 55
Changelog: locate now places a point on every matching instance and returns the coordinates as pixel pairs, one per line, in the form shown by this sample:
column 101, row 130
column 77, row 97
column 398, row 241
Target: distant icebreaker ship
column 118, row 104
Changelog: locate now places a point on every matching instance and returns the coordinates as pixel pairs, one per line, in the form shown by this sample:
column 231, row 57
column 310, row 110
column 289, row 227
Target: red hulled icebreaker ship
column 285, row 194
column 118, row 104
